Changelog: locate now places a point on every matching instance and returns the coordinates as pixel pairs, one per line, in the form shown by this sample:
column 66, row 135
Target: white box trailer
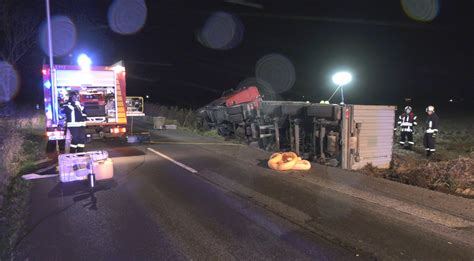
column 367, row 136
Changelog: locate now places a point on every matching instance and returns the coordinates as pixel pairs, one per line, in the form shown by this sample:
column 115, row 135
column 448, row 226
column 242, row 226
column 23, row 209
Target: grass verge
column 13, row 215
column 21, row 143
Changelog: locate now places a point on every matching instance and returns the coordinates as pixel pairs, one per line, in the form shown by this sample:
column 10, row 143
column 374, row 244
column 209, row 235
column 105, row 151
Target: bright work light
column 342, row 78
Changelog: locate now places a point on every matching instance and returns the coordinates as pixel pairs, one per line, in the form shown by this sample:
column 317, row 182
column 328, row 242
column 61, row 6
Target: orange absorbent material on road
column 287, row 161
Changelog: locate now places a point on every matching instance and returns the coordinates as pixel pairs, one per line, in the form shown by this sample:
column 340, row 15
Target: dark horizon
column 391, row 56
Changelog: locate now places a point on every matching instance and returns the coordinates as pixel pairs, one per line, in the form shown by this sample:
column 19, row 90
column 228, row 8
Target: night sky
column 391, row 55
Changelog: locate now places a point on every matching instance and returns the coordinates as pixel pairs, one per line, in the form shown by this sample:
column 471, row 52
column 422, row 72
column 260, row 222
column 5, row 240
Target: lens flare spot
column 63, row 36
column 277, row 70
column 221, row 31
column 127, row 16
column 421, row 10
column 9, row 82
column 265, row 88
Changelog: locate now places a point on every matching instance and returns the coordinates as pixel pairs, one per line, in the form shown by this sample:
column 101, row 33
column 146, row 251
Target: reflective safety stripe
column 430, row 124
column 401, row 142
column 427, row 149
column 411, row 142
column 430, row 131
column 407, row 124
column 432, row 150
column 73, row 114
column 76, row 124
column 81, row 145
column 407, row 130
column 435, row 130
column 415, row 123
column 73, row 146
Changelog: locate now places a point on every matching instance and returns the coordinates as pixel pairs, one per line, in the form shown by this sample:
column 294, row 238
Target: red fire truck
column 102, row 91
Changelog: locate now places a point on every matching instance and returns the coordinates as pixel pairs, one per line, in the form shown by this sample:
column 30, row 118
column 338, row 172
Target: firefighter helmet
column 430, row 109
column 408, row 109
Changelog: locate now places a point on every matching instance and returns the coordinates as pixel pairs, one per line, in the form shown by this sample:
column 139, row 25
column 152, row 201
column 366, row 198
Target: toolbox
column 76, row 166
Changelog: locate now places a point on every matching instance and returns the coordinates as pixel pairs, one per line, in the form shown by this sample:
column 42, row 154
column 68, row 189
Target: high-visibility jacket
column 432, row 122
column 407, row 122
column 75, row 116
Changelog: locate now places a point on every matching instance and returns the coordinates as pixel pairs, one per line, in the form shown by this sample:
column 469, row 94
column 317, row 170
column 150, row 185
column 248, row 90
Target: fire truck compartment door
column 88, row 78
column 375, row 136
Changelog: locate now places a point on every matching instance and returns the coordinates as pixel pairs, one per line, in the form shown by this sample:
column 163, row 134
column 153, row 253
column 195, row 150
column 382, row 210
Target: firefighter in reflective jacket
column 75, row 122
column 407, row 123
column 432, row 122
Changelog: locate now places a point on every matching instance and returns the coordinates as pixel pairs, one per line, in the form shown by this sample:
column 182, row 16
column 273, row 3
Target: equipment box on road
column 76, row 166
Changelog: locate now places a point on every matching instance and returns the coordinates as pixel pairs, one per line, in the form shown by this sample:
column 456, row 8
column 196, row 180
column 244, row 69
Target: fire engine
column 348, row 136
column 135, row 106
column 102, row 92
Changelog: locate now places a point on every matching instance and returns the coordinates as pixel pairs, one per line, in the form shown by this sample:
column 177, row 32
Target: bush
column 11, row 151
column 20, row 143
column 13, row 215
column 183, row 117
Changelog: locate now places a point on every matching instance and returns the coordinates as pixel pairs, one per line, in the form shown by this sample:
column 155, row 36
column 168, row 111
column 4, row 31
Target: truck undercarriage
column 348, row 136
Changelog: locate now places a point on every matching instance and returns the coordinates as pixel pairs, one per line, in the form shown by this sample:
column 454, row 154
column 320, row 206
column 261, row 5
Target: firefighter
column 75, row 122
column 432, row 122
column 407, row 123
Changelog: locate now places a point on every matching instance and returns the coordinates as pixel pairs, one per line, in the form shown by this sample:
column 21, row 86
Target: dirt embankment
column 449, row 176
column 449, row 170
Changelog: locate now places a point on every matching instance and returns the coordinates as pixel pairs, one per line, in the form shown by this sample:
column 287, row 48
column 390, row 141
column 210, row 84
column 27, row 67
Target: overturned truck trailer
column 348, row 136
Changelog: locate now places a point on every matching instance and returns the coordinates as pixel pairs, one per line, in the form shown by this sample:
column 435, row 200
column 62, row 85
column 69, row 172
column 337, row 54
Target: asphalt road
column 189, row 197
column 156, row 210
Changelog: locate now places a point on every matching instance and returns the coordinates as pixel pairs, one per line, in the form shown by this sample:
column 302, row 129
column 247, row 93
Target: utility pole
column 52, row 71
column 54, row 93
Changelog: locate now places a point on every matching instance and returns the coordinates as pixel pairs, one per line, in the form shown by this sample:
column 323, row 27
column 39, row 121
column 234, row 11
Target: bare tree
column 19, row 26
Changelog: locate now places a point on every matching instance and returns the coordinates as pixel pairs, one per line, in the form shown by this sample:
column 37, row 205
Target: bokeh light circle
column 127, row 16
column 63, row 36
column 9, row 82
column 265, row 88
column 221, row 31
column 277, row 70
column 421, row 10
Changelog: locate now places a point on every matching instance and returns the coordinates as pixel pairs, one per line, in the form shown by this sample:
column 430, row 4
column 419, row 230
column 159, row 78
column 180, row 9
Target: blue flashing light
column 47, row 84
column 84, row 61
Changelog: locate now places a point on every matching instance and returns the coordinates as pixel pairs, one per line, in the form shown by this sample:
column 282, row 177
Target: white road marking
column 197, row 143
column 36, row 176
column 174, row 161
